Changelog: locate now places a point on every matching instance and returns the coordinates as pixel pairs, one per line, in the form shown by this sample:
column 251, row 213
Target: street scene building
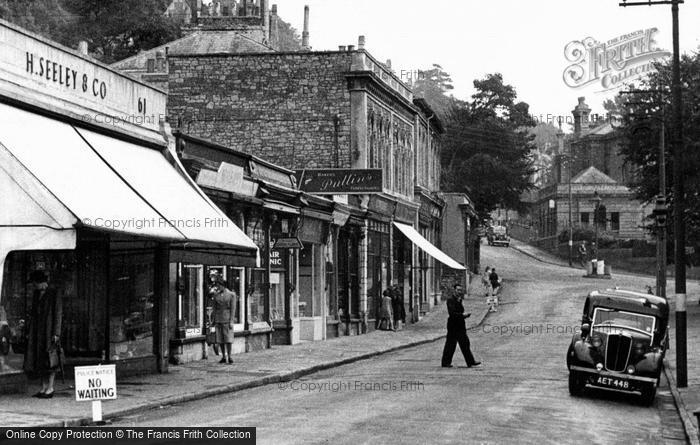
column 216, row 227
column 589, row 164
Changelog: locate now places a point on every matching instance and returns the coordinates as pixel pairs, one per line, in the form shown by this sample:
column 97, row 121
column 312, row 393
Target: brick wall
column 281, row 107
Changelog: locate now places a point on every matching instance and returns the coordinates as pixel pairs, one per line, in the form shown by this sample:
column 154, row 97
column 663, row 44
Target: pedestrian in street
column 495, row 286
column 457, row 330
column 488, row 289
column 224, row 309
column 386, row 314
column 582, row 254
column 43, row 345
column 594, row 251
column 398, row 307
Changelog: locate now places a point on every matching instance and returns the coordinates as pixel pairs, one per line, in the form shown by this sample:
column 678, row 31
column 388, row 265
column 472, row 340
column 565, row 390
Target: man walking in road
column 457, row 330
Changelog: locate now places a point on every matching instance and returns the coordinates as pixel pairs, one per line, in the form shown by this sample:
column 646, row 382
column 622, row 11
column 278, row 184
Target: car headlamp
column 596, row 341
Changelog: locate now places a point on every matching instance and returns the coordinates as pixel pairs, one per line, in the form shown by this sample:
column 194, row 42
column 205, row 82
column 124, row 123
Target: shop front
column 316, row 280
column 261, row 199
column 96, row 212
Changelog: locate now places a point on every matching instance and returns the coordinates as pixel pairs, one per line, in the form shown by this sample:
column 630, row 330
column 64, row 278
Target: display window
column 131, row 292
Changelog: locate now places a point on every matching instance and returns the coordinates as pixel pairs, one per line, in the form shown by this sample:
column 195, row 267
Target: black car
column 621, row 347
column 498, row 235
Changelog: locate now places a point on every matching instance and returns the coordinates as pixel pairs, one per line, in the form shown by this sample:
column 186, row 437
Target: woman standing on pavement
column 44, row 334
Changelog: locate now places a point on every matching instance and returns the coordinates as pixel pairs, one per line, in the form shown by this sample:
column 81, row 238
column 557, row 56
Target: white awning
column 59, row 175
column 169, row 191
column 427, row 247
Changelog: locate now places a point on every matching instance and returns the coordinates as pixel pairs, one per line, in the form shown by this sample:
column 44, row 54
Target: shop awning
column 427, row 247
column 111, row 185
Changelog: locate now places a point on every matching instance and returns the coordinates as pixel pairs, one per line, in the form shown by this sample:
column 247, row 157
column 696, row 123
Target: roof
column 199, row 42
column 592, row 175
column 629, row 300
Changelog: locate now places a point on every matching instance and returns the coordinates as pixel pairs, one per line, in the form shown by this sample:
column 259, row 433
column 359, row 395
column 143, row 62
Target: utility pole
column 660, row 209
column 678, row 196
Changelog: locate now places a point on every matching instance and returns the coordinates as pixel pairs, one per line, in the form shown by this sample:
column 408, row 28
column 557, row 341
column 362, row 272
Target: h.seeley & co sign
column 40, row 72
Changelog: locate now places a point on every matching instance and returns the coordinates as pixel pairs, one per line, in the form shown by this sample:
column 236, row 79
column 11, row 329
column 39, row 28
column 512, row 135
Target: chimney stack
column 266, row 18
column 342, row 48
column 361, row 42
column 581, row 114
column 305, row 34
column 351, row 47
column 83, row 47
column 274, row 28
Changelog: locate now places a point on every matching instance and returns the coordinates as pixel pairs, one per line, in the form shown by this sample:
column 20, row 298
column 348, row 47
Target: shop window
column 192, row 298
column 306, row 284
column 585, row 218
column 615, row 221
column 16, row 302
column 132, row 298
column 256, row 298
column 278, row 286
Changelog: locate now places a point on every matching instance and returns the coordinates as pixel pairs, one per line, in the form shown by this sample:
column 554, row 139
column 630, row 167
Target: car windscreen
column 499, row 230
column 608, row 320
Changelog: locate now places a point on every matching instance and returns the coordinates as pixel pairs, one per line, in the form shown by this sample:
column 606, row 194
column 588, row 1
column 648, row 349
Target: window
column 277, row 295
column 584, row 218
column 615, row 221
column 235, row 282
column 191, row 286
column 131, row 305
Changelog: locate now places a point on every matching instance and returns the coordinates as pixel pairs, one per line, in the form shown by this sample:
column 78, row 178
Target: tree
column 117, row 29
column 45, row 17
column 289, row 39
column 433, row 85
column 487, row 149
column 642, row 114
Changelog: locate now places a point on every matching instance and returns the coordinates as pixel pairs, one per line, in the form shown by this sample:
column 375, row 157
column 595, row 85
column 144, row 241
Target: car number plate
column 610, row 382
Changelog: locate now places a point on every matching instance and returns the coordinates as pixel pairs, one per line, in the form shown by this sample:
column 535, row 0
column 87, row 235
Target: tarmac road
column 518, row 395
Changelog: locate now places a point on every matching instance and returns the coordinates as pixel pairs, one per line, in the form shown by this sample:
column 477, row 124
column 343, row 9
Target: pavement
column 208, row 378
column 687, row 399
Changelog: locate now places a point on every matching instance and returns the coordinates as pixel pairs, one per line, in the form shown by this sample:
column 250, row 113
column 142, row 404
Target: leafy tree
column 289, row 39
column 117, row 29
column 487, row 149
column 642, row 114
column 45, row 17
column 434, row 85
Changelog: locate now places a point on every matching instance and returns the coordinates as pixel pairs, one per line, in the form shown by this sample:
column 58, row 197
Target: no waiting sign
column 95, row 383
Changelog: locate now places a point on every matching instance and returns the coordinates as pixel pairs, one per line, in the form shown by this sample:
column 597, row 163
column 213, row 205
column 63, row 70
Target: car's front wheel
column 648, row 394
column 575, row 383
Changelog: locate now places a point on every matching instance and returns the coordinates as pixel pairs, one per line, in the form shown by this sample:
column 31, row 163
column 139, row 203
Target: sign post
column 95, row 384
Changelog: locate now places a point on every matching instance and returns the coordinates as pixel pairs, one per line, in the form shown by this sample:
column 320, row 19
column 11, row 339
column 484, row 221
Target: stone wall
column 283, row 107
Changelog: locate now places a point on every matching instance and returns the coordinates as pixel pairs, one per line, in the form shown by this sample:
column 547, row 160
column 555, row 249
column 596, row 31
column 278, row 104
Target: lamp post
column 596, row 200
column 660, row 216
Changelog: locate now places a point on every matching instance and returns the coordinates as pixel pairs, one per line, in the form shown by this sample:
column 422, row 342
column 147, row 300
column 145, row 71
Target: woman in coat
column 398, row 307
column 386, row 313
column 44, row 334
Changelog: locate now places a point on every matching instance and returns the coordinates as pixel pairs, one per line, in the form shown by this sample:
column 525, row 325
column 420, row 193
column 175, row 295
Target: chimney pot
column 83, row 47
column 388, row 63
column 361, row 42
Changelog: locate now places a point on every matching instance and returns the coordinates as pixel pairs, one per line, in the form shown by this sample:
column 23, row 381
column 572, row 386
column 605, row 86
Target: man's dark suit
column 456, row 333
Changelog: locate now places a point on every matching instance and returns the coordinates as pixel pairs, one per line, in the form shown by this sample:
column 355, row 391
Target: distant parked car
column 498, row 236
column 622, row 344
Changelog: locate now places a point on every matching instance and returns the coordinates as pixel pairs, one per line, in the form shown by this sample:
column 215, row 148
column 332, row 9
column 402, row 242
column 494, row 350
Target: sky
column 523, row 40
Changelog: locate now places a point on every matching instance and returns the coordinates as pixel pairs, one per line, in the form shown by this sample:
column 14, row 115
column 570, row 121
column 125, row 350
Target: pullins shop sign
column 611, row 63
column 340, row 181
